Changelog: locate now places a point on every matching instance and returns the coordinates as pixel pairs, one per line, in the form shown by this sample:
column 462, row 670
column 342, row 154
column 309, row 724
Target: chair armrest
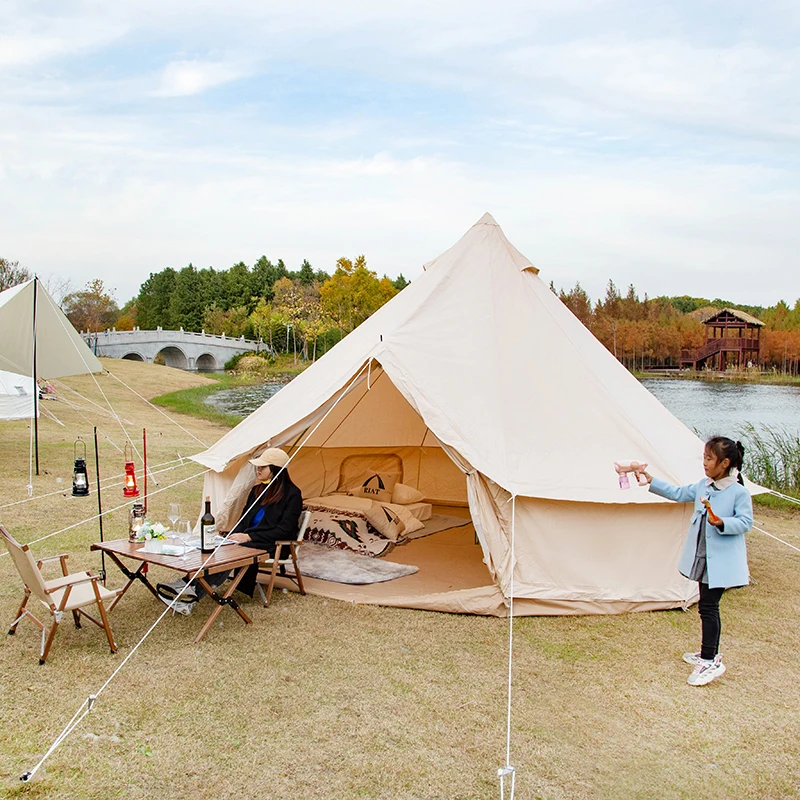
column 62, row 558
column 78, row 580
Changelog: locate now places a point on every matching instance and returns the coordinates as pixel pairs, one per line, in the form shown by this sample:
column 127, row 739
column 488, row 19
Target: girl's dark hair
column 723, row 448
column 277, row 487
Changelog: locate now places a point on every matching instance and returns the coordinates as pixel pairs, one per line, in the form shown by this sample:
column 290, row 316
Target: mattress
column 421, row 511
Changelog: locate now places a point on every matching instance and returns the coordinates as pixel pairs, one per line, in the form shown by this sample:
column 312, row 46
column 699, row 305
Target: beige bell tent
column 497, row 399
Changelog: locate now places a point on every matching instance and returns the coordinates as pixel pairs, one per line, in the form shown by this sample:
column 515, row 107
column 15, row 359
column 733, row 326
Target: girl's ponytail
column 740, row 451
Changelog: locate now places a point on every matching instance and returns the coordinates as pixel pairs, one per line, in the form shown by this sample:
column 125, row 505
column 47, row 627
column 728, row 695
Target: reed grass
column 772, row 458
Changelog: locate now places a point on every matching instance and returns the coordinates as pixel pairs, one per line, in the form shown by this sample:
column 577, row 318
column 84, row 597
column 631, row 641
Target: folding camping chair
column 270, row 569
column 58, row 596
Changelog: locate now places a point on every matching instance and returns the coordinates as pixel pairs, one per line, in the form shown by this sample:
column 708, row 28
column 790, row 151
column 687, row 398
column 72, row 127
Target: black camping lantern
column 80, row 480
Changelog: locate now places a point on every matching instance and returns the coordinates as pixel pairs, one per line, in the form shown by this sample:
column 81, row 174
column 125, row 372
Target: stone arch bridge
column 196, row 352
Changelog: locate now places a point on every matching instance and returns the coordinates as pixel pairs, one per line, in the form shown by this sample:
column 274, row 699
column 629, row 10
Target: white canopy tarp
column 60, row 350
column 16, row 396
column 487, row 387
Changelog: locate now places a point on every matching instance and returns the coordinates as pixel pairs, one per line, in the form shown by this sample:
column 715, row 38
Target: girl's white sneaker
column 692, row 658
column 705, row 672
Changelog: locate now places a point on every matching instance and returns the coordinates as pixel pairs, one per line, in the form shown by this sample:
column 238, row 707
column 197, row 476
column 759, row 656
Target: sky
column 649, row 143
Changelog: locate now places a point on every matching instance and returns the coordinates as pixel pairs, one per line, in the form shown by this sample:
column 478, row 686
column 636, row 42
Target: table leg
column 225, row 600
column 138, row 575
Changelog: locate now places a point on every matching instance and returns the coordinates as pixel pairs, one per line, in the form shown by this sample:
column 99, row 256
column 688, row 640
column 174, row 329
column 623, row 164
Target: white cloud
column 607, row 144
column 184, row 78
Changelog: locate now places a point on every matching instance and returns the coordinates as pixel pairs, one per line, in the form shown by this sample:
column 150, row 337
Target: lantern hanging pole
column 35, row 381
column 144, row 451
column 99, row 505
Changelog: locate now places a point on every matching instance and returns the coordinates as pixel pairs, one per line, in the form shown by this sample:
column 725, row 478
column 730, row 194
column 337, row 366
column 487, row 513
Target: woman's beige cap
column 274, row 456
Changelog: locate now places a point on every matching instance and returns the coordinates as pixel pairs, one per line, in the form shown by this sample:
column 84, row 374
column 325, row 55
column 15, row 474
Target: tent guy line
column 111, row 510
column 167, row 465
column 772, row 536
column 160, row 411
column 100, row 408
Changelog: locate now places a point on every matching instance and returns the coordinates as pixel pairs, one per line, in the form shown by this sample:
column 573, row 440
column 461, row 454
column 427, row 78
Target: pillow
column 376, row 485
column 403, row 495
column 385, row 521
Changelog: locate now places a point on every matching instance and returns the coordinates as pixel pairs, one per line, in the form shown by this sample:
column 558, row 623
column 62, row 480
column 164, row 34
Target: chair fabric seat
column 81, row 595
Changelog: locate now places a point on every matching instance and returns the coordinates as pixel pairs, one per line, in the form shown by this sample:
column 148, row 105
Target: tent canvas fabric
column 495, row 397
column 16, row 396
column 60, row 350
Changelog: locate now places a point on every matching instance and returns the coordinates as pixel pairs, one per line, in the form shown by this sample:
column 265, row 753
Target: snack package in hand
column 712, row 517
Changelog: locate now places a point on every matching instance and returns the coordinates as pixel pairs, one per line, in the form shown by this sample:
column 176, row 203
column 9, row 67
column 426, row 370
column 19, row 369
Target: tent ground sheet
column 450, row 564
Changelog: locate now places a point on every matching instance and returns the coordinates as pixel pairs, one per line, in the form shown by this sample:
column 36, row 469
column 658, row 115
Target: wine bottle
column 208, row 529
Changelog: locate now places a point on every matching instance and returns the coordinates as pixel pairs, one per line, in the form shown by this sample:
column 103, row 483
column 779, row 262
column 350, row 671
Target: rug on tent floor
column 342, row 566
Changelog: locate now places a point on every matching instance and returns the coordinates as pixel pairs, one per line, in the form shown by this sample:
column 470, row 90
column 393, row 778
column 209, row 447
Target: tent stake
column 99, row 506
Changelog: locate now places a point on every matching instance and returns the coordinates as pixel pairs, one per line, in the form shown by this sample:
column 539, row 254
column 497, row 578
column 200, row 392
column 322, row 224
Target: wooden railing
column 716, row 345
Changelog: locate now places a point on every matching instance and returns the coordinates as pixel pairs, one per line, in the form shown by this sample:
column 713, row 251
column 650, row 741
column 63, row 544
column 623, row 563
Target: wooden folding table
column 226, row 558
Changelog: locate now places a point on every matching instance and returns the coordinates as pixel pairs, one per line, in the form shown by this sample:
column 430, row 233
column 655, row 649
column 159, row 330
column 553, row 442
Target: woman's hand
column 241, row 538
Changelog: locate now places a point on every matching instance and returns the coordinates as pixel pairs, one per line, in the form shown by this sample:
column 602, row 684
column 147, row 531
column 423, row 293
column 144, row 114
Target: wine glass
column 184, row 534
column 174, row 514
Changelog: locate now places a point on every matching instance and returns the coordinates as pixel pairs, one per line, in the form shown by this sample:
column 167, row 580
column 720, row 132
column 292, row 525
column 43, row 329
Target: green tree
column 153, row 300
column 263, row 277
column 306, row 274
column 239, row 289
column 233, row 322
column 186, row 306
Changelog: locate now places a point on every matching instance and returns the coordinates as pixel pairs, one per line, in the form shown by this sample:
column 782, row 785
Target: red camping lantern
column 130, row 489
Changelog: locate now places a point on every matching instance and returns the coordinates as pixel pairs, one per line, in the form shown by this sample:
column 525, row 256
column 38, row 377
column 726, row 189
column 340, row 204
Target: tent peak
column 487, row 219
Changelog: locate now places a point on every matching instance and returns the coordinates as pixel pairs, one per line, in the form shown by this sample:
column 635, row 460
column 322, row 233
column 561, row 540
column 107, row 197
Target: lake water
column 708, row 408
column 725, row 408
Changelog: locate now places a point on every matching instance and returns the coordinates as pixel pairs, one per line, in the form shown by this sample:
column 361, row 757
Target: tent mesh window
column 353, row 467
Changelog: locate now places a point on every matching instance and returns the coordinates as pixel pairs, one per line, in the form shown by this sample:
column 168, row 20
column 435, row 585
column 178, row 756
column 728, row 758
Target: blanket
column 364, row 526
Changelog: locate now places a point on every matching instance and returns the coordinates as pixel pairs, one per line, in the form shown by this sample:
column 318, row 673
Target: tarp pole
column 35, row 382
column 144, row 451
column 99, row 506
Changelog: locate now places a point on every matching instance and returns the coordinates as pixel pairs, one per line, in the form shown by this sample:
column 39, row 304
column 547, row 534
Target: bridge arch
column 173, row 357
column 134, row 356
column 206, row 363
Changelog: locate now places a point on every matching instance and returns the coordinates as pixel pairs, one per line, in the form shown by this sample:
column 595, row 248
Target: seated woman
column 272, row 511
column 271, row 514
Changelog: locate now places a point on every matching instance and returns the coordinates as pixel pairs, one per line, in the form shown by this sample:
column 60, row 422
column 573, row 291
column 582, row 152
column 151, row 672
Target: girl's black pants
column 710, row 621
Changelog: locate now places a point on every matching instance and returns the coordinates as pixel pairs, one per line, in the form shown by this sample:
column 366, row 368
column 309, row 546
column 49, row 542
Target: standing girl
column 714, row 553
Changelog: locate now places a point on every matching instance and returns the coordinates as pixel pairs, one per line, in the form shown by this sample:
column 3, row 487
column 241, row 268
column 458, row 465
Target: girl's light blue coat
column 726, row 551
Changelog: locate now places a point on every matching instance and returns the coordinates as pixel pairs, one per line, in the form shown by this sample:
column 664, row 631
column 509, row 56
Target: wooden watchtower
column 733, row 338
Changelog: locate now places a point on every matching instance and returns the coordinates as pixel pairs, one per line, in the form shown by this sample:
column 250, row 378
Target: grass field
column 322, row 699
